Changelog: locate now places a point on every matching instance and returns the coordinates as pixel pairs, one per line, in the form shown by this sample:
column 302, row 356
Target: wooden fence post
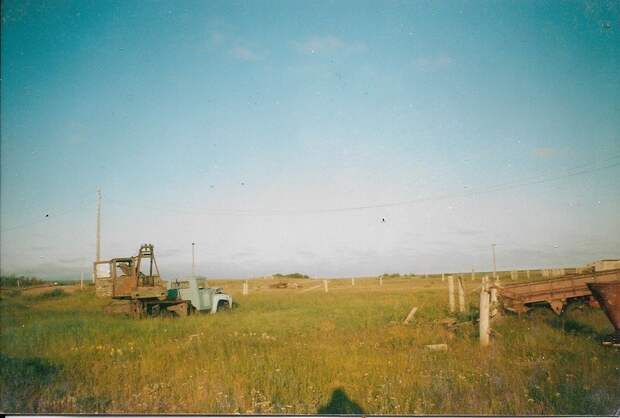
column 527, row 272
column 82, row 280
column 325, row 285
column 451, row 293
column 19, row 285
column 461, row 295
column 380, row 280
column 473, row 275
column 484, row 317
column 443, row 277
column 245, row 287
column 352, row 281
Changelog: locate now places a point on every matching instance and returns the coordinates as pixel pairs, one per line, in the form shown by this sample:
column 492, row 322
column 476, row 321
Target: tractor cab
column 130, row 277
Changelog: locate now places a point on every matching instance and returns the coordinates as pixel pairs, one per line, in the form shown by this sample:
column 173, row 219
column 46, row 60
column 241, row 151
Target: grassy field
column 291, row 351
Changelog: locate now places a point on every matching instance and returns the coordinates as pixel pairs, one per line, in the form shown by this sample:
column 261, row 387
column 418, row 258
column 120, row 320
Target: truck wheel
column 223, row 304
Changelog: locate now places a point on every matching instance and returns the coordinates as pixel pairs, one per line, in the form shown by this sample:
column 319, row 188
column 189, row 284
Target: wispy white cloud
column 329, row 44
column 432, row 63
column 243, row 53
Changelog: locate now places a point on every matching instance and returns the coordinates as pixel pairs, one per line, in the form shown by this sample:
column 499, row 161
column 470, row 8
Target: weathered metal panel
column 555, row 291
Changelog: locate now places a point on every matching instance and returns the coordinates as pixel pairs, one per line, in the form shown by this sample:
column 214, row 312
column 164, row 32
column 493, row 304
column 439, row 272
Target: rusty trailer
column 556, row 292
column 608, row 295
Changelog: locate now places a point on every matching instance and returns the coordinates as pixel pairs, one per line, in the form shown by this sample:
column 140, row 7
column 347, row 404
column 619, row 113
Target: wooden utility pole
column 98, row 255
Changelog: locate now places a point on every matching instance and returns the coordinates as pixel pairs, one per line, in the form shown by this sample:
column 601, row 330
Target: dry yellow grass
column 296, row 351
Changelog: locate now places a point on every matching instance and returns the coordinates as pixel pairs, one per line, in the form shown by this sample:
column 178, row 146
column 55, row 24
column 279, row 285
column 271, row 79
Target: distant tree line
column 24, row 281
column 291, row 276
column 397, row 275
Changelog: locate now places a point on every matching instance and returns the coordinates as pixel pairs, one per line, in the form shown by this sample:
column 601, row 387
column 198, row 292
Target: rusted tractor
column 137, row 289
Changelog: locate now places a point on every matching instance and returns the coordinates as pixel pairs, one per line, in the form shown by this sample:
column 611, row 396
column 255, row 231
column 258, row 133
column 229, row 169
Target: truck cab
column 202, row 298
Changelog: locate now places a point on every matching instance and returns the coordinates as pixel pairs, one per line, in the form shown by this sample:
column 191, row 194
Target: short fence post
column 245, row 287
column 484, row 317
column 410, row 316
column 19, row 285
column 380, row 280
column 82, row 280
column 473, row 275
column 451, row 292
column 461, row 295
column 527, row 274
column 443, row 276
column 493, row 301
column 352, row 281
column 325, row 286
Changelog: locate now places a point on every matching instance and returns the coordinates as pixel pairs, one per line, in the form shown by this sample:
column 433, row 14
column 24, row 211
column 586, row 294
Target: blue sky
column 246, row 126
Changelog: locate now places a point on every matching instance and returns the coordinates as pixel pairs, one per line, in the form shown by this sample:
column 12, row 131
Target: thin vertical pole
column 380, row 280
column 473, row 275
column 193, row 259
column 443, row 277
column 82, row 280
column 98, row 255
column 352, row 281
column 494, row 263
column 325, row 286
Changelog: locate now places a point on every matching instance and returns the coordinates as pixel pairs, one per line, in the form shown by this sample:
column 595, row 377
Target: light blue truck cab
column 202, row 298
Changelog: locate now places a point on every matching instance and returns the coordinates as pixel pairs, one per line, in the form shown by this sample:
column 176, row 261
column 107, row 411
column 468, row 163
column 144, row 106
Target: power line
column 574, row 171
column 49, row 216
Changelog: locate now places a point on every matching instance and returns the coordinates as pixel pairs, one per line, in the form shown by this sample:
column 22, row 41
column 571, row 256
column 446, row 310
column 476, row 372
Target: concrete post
column 484, row 317
column 461, row 295
column 451, row 293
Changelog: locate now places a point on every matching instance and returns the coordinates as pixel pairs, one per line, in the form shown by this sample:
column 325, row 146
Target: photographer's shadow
column 340, row 404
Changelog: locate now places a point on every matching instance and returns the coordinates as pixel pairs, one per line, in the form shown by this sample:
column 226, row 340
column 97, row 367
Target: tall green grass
column 289, row 351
